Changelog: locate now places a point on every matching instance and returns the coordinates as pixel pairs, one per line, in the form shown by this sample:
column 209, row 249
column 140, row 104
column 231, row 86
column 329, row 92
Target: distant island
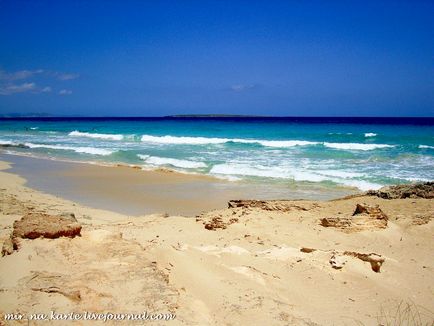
column 214, row 116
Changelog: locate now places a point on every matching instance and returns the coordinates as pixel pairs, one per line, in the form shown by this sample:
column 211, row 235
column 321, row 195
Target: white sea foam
column 92, row 150
column 339, row 177
column 339, row 174
column 370, row 134
column 143, row 157
column 310, row 176
column 77, row 133
column 185, row 164
column 418, row 179
column 228, row 177
column 266, row 172
column 426, row 146
column 286, row 143
column 361, row 184
column 34, row 128
column 347, row 178
column 8, row 142
column 246, row 170
column 85, row 150
column 356, row 146
column 183, row 140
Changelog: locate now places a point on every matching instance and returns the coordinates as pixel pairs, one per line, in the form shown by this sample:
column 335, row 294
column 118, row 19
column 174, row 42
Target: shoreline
column 133, row 191
column 253, row 263
column 340, row 188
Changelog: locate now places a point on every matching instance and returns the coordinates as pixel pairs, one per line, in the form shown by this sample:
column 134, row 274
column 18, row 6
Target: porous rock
column 337, row 261
column 364, row 217
column 37, row 225
column 415, row 190
column 267, row 205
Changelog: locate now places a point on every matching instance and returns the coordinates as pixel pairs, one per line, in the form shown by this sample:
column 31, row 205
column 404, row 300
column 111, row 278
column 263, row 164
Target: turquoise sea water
column 334, row 152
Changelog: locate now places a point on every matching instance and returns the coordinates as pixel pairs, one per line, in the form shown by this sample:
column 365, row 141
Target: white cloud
column 13, row 89
column 26, row 74
column 241, row 87
column 9, row 84
column 46, row 89
column 21, row 74
column 65, row 92
column 66, row 76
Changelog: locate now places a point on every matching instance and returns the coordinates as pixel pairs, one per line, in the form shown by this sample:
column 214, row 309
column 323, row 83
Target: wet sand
column 136, row 192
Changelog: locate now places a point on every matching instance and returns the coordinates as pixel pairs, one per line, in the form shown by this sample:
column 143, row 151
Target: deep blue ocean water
column 365, row 153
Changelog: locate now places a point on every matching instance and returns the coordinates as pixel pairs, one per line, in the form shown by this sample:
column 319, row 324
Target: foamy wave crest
column 361, row 184
column 185, row 164
column 34, row 128
column 267, row 172
column 356, row 146
column 286, row 143
column 8, row 143
column 339, row 177
column 85, row 150
column 77, row 133
column 246, row 170
column 339, row 174
column 370, row 134
column 426, row 146
column 418, row 179
column 181, row 140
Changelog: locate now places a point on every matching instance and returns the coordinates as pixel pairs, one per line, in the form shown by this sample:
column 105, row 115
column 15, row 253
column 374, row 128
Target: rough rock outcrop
column 218, row 223
column 421, row 219
column 338, row 260
column 267, row 205
column 36, row 225
column 374, row 212
column 416, row 190
column 365, row 217
column 374, row 259
column 8, row 247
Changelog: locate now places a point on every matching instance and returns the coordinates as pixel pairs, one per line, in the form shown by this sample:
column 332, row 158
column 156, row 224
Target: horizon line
column 48, row 116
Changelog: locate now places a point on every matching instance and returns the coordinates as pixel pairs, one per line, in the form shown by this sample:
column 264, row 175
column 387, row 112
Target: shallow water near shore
column 136, row 192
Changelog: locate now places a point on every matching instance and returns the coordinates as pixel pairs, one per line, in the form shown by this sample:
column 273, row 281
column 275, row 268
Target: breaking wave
column 182, row 140
column 339, row 177
column 77, row 133
column 79, row 149
column 356, row 146
column 185, row 164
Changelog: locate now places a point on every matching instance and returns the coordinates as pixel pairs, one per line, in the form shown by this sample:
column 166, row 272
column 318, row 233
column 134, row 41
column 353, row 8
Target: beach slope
column 358, row 260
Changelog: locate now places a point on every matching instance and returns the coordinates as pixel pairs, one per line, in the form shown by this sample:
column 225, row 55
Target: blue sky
column 153, row 58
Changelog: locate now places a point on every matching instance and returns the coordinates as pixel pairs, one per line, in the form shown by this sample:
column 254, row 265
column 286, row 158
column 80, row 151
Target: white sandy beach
column 260, row 263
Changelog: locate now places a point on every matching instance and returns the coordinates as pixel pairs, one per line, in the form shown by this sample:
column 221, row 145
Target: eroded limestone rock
column 268, row 205
column 36, row 225
column 365, row 217
column 416, row 190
